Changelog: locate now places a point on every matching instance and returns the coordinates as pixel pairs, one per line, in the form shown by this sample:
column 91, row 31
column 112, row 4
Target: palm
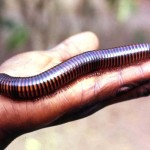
column 75, row 101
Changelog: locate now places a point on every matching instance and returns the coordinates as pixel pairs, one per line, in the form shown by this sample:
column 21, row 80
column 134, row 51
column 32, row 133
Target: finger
column 76, row 44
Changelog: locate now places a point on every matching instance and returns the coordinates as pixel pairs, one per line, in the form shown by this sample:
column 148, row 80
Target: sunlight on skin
column 32, row 144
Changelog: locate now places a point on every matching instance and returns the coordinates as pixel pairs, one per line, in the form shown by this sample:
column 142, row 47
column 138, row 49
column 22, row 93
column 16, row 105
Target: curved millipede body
column 49, row 81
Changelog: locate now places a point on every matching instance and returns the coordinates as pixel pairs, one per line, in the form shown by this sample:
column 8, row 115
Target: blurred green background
column 40, row 25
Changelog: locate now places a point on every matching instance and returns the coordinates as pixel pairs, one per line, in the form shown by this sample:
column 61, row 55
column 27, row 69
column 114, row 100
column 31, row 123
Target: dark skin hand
column 77, row 100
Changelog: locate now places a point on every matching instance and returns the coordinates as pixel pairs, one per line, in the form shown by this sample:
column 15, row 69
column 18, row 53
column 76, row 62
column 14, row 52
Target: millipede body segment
column 53, row 79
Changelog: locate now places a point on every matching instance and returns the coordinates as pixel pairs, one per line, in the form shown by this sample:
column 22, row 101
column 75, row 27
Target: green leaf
column 125, row 9
column 18, row 37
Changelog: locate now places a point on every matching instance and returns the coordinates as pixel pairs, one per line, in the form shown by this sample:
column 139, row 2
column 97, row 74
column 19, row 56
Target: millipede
column 51, row 80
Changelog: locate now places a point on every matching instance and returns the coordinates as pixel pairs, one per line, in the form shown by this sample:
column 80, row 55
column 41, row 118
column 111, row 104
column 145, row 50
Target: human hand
column 79, row 99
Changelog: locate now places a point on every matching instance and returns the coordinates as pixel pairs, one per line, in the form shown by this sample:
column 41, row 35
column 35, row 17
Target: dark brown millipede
column 53, row 79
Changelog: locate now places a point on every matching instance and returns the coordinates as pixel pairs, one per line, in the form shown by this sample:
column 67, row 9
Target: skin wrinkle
column 68, row 91
column 93, row 89
column 72, row 92
column 97, row 77
column 141, row 70
column 51, row 109
column 133, row 84
column 96, row 87
column 66, row 46
column 8, row 117
column 32, row 117
column 86, row 90
column 54, row 103
column 121, row 81
column 47, row 59
column 35, row 120
column 30, row 109
column 47, row 106
column 100, row 87
column 30, row 120
column 51, row 63
column 77, row 49
column 62, row 98
column 82, row 95
column 113, row 92
column 57, row 108
column 5, row 112
column 29, row 124
column 86, row 111
column 122, row 87
column 65, row 97
column 8, row 125
column 16, row 113
column 19, row 121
